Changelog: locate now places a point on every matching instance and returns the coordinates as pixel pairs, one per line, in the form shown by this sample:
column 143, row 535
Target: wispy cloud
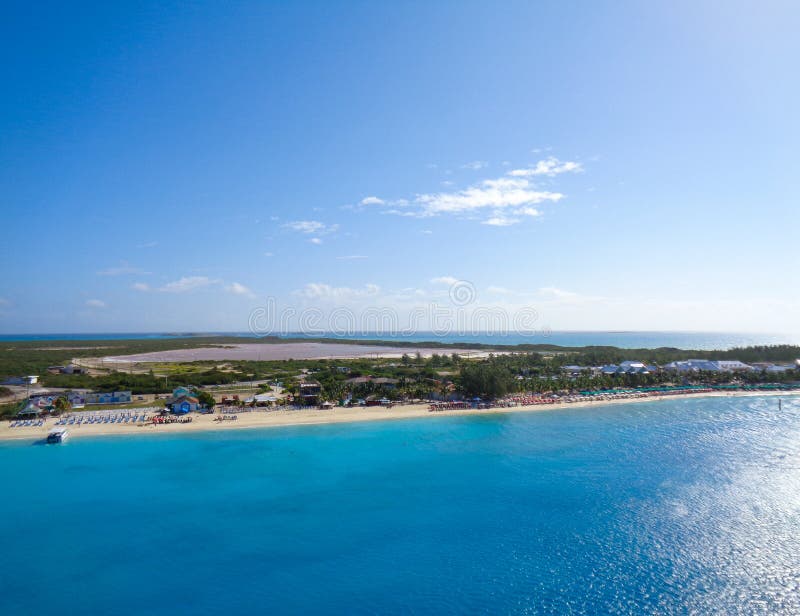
column 315, row 240
column 499, row 202
column 147, row 245
column 475, row 165
column 95, row 303
column 351, row 257
column 445, row 280
column 549, row 167
column 309, row 227
column 500, row 221
column 494, row 194
column 239, row 289
column 187, row 283
column 321, row 291
column 268, row 254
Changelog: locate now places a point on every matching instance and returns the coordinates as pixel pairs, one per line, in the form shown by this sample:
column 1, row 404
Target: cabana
column 28, row 411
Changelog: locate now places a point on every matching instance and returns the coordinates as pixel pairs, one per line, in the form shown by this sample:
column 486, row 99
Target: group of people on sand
column 538, row 399
column 449, row 406
column 533, row 400
column 169, row 419
column 226, row 418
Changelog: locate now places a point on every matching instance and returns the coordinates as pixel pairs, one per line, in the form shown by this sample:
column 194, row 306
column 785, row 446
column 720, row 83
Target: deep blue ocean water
column 627, row 340
column 671, row 507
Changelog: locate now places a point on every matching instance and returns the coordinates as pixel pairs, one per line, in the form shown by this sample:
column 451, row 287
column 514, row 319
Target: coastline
column 279, row 419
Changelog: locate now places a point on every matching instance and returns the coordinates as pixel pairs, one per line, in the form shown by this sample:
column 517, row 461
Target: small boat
column 58, row 435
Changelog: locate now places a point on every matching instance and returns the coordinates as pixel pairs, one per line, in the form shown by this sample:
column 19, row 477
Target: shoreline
column 281, row 419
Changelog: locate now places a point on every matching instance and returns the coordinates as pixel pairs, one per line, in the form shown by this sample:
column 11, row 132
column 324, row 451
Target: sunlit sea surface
column 670, row 507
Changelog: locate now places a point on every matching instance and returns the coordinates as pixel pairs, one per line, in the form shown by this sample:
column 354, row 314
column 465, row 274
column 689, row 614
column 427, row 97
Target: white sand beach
column 274, row 419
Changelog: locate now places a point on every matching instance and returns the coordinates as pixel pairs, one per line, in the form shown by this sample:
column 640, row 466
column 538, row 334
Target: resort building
column 69, row 369
column 733, row 366
column 625, row 367
column 707, row 365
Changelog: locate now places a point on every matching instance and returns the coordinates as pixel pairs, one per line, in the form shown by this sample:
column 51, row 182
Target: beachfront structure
column 181, row 391
column 48, row 399
column 183, row 401
column 261, row 400
column 308, row 393
column 184, row 404
column 114, row 397
column 30, row 409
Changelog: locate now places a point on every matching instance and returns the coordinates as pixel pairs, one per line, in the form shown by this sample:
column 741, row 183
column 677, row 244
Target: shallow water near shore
column 670, row 506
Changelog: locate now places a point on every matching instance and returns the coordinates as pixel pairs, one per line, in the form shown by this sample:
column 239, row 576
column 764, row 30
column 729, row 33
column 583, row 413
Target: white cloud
column 500, row 221
column 549, row 167
column 315, row 240
column 475, row 165
column 192, row 283
column 268, row 254
column 500, row 202
column 445, row 280
column 95, row 303
column 239, row 289
column 321, row 291
column 187, row 283
column 498, row 290
column 495, row 194
column 311, row 227
column 147, row 245
column 351, row 257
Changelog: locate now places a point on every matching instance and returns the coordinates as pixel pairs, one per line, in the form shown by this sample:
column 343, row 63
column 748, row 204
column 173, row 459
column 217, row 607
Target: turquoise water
column 675, row 506
column 625, row 340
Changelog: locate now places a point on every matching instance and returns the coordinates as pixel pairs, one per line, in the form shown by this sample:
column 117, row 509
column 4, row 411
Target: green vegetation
column 205, row 398
column 535, row 368
column 7, row 411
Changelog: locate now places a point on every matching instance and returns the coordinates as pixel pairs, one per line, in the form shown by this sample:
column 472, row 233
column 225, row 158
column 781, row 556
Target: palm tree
column 62, row 404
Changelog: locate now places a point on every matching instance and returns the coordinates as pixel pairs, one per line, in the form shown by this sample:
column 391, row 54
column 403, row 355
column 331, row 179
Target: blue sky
column 613, row 165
